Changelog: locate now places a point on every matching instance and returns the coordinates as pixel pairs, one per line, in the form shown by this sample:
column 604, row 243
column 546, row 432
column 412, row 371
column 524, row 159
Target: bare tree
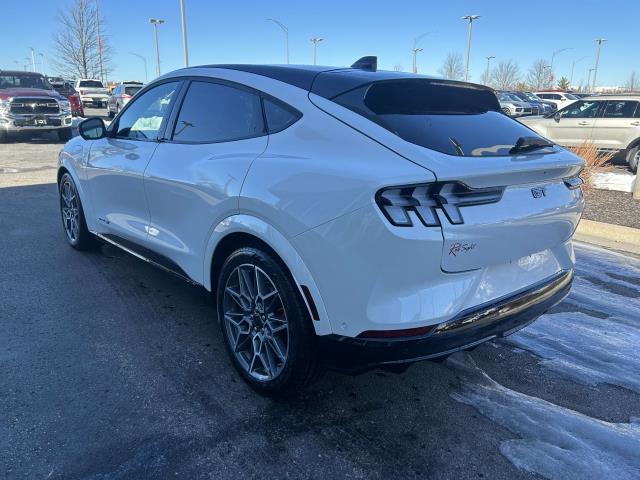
column 632, row 82
column 453, row 67
column 77, row 43
column 506, row 75
column 538, row 75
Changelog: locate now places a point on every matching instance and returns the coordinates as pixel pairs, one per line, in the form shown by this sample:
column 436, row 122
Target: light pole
column 470, row 18
column 315, row 41
column 286, row 34
column 43, row 63
column 33, row 59
column 144, row 60
column 184, row 34
column 486, row 73
column 599, row 41
column 415, row 50
column 155, row 22
column 553, row 56
column 589, row 79
column 573, row 66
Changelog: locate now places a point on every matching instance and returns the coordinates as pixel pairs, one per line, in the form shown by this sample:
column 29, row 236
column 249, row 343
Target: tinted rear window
column 131, row 90
column 454, row 118
column 91, row 84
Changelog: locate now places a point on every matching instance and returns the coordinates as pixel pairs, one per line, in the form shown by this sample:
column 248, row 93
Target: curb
column 607, row 235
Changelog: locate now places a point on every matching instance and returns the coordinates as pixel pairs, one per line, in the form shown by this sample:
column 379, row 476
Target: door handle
column 635, row 124
column 583, row 123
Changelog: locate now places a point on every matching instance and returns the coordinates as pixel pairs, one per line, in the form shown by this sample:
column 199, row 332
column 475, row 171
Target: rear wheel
column 265, row 323
column 73, row 219
column 633, row 158
column 65, row 134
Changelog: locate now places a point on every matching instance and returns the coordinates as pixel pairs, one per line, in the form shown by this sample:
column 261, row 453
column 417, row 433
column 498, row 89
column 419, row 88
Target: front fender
column 272, row 237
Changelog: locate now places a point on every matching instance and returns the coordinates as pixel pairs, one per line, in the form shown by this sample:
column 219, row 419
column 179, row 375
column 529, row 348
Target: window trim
column 113, row 127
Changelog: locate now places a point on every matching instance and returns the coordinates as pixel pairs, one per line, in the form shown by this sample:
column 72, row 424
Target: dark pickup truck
column 29, row 104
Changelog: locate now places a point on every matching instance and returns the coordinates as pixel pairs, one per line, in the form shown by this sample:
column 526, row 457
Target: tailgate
column 526, row 220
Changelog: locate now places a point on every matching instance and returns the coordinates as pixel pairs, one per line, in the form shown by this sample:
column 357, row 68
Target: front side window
column 581, row 109
column 212, row 112
column 143, row 119
column 619, row 109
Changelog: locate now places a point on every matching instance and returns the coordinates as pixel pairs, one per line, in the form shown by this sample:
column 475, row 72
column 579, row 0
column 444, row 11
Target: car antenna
column 369, row 63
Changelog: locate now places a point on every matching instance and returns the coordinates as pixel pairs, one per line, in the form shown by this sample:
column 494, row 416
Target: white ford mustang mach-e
column 342, row 217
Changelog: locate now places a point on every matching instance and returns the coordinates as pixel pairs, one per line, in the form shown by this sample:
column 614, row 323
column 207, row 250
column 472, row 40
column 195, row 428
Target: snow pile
column 621, row 181
column 555, row 442
column 601, row 346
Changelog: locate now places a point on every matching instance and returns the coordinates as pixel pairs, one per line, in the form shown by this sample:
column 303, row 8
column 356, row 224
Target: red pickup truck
column 28, row 103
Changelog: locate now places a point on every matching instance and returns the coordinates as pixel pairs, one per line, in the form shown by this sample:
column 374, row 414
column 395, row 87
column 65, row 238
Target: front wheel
column 633, row 159
column 73, row 221
column 265, row 324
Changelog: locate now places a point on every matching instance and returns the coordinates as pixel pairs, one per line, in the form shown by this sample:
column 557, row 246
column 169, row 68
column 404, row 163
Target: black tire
column 110, row 113
column 633, row 158
column 83, row 239
column 65, row 134
column 4, row 136
column 301, row 367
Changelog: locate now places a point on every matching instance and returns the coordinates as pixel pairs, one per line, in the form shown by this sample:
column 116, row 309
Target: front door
column 573, row 125
column 116, row 164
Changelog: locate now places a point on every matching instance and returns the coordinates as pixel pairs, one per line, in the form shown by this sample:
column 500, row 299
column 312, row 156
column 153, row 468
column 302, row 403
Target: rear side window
column 278, row 115
column 619, row 109
column 212, row 112
column 449, row 117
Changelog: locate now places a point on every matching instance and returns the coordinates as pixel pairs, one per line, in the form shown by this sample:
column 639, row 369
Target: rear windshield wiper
column 528, row 144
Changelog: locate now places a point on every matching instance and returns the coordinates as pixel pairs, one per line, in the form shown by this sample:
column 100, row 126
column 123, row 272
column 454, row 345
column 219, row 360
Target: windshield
column 16, row 80
column 91, row 84
column 451, row 118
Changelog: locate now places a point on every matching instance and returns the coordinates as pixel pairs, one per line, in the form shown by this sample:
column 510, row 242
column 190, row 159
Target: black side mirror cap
column 92, row 129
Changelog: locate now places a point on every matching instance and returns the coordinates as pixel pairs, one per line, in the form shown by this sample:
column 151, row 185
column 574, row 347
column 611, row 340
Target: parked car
column 611, row 123
column 121, row 96
column 29, row 104
column 92, row 92
column 513, row 106
column 536, row 106
column 544, row 106
column 340, row 216
column 561, row 99
column 64, row 88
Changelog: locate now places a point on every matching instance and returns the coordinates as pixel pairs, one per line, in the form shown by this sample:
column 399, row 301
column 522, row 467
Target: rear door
column 573, row 125
column 616, row 127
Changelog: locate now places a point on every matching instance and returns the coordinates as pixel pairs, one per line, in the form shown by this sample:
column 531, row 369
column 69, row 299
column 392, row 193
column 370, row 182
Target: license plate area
column 40, row 121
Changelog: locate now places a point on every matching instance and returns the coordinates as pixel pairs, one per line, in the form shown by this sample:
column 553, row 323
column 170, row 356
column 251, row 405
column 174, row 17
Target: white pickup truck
column 92, row 92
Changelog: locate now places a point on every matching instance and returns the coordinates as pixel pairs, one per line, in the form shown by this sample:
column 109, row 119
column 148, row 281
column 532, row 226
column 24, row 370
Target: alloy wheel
column 255, row 322
column 70, row 210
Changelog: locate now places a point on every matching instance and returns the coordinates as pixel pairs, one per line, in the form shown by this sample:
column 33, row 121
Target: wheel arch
column 244, row 230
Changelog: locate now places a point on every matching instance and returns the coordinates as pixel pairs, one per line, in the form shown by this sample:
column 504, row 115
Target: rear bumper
column 470, row 328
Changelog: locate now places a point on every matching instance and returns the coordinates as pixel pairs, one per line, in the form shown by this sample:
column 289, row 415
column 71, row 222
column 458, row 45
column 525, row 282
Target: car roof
column 20, row 72
column 613, row 97
column 326, row 81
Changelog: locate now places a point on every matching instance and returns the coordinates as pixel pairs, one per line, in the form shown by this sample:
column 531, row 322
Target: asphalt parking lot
column 112, row 369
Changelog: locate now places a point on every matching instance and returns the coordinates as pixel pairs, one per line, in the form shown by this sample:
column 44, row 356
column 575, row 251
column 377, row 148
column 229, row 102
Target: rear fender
column 287, row 253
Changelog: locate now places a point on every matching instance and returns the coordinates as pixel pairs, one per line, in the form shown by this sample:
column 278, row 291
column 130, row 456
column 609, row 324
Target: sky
column 237, row 32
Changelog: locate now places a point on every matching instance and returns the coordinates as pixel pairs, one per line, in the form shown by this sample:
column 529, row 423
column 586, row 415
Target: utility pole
column 553, row 56
column 144, row 60
column 599, row 41
column 573, row 66
column 315, row 41
column 415, row 50
column 155, row 22
column 285, row 29
column 486, row 73
column 470, row 18
column 589, row 79
column 33, row 59
column 184, row 34
column 99, row 41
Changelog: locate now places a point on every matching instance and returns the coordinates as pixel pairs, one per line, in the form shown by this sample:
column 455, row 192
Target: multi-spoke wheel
column 265, row 323
column 72, row 216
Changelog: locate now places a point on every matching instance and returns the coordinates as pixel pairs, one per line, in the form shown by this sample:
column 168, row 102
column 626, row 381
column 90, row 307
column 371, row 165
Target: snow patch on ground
column 555, row 442
column 601, row 347
column 621, row 181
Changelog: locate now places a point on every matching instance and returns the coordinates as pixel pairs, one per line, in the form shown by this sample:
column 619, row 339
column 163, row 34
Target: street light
column 470, row 18
column 415, row 50
column 573, row 66
column 155, row 22
column 184, row 34
column 553, row 56
column 589, row 78
column 315, row 41
column 144, row 60
column 486, row 74
column 33, row 59
column 599, row 41
column 286, row 34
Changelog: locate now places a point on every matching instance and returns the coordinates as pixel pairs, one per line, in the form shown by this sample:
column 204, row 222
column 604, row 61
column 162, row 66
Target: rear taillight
column 423, row 200
column 126, row 96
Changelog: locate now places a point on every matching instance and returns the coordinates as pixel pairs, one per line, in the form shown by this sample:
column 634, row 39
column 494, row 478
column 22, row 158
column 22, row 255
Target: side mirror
column 92, row 129
column 556, row 117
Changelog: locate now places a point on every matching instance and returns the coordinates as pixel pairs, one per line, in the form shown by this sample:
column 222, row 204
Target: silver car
column 121, row 96
column 512, row 105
